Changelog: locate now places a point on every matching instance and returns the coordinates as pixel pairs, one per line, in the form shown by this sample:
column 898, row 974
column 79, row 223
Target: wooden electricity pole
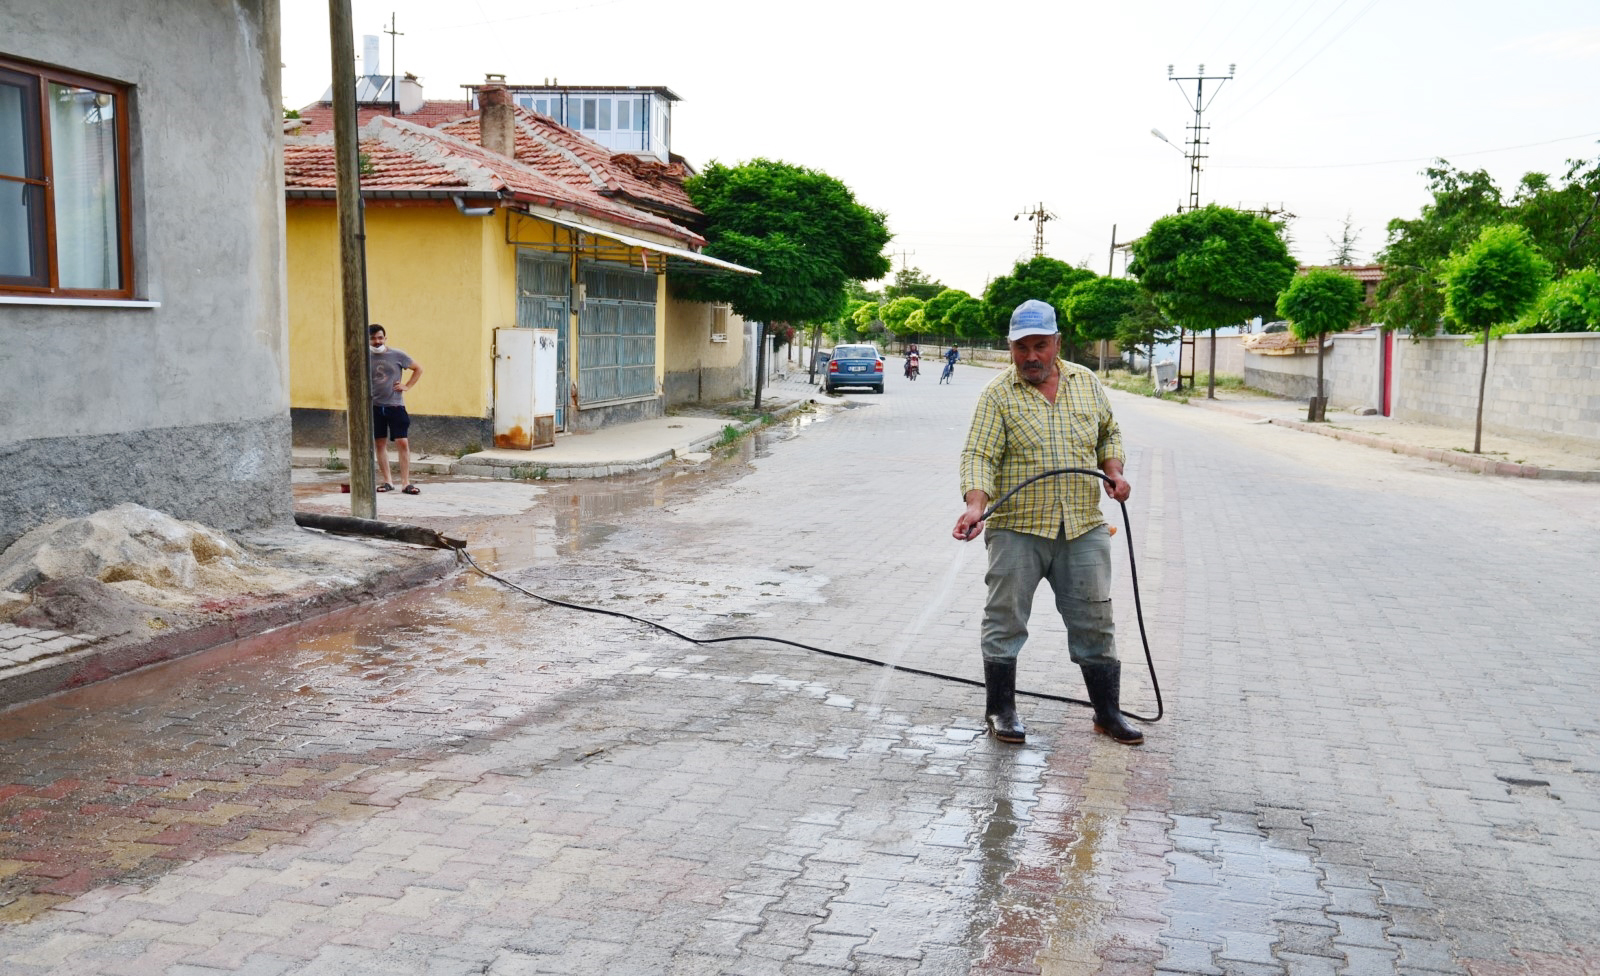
column 352, row 264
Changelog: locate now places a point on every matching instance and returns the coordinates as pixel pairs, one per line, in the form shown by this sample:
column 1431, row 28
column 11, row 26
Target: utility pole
column 394, row 72
column 1198, row 141
column 1038, row 215
column 903, row 255
column 352, row 264
column 1196, row 153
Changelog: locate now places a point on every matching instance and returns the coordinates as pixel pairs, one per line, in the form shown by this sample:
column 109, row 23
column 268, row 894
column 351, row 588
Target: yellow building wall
column 694, row 367
column 439, row 282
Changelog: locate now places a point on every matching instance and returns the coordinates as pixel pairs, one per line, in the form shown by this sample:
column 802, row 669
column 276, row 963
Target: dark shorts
column 390, row 423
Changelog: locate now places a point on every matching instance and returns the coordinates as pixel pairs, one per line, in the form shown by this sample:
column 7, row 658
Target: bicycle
column 949, row 371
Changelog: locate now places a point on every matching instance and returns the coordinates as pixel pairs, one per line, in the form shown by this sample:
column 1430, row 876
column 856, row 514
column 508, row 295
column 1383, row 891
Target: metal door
column 617, row 333
column 543, row 287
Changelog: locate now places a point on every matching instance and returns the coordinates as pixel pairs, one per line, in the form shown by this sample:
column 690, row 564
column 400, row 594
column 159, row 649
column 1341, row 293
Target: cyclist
column 949, row 364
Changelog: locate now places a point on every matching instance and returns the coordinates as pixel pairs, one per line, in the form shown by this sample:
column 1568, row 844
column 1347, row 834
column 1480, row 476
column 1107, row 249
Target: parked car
column 854, row 366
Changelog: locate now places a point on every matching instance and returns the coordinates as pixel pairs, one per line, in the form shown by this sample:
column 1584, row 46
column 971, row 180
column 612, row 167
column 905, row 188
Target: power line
column 1282, row 59
column 1307, row 61
column 1418, row 159
column 1255, row 42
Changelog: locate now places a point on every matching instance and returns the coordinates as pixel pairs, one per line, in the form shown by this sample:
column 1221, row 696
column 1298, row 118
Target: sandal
column 412, row 490
column 385, row 487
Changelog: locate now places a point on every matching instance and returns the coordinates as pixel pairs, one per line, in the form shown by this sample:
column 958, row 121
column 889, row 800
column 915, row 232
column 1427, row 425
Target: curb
column 107, row 659
column 1469, row 462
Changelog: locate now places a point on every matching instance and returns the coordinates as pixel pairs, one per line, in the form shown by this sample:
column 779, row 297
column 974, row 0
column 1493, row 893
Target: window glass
column 83, row 156
column 590, row 113
column 605, row 114
column 21, row 204
column 542, row 106
column 624, row 120
column 638, row 114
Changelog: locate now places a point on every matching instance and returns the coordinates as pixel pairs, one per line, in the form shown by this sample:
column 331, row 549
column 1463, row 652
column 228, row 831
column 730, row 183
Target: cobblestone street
column 1380, row 754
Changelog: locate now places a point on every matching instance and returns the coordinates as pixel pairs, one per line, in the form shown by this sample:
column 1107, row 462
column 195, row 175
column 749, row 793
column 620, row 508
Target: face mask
column 380, row 347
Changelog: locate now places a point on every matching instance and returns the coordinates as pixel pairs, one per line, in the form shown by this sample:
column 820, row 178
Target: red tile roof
column 318, row 116
column 567, row 155
column 403, row 157
column 1360, row 272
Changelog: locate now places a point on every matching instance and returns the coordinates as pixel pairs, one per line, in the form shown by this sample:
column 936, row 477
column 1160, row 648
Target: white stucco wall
column 181, row 407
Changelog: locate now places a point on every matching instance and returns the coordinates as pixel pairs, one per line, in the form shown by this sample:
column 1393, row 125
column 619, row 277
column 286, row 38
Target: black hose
column 1043, row 696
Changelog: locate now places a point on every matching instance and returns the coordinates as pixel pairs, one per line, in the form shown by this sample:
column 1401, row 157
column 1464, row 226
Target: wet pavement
column 1380, row 753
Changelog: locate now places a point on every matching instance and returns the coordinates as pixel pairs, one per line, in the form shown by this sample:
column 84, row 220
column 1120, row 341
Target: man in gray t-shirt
column 389, row 418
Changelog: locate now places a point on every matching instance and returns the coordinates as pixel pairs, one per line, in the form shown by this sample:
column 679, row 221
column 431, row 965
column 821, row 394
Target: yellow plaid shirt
column 1016, row 433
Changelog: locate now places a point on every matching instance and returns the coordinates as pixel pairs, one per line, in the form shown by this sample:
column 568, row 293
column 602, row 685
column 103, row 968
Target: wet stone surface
column 466, row 779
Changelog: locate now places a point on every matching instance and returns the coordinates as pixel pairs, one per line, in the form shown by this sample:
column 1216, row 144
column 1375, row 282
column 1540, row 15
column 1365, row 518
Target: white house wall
column 181, row 406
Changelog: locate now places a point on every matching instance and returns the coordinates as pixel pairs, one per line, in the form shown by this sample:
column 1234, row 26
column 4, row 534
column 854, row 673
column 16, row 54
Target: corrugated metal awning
column 674, row 255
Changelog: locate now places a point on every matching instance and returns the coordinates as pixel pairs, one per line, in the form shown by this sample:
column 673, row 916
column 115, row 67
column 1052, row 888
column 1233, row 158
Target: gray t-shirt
column 386, row 372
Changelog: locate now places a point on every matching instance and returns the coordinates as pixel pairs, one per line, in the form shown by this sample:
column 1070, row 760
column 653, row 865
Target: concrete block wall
column 1353, row 370
column 1230, row 355
column 1291, row 375
column 1541, row 384
column 1546, row 384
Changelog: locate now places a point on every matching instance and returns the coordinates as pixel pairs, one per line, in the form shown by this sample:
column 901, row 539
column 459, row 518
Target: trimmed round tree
column 1211, row 268
column 1491, row 283
column 1096, row 307
column 1318, row 304
column 896, row 312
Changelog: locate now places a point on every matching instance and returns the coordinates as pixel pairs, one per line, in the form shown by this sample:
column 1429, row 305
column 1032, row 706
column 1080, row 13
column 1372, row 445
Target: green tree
column 1570, row 304
column 1043, row 278
column 865, row 314
column 915, row 324
column 1562, row 217
column 1096, row 307
column 969, row 319
column 1211, row 268
column 1317, row 304
column 937, row 310
column 801, row 228
column 1409, row 297
column 912, row 283
column 1344, row 247
column 1145, row 325
column 1491, row 283
column 896, row 312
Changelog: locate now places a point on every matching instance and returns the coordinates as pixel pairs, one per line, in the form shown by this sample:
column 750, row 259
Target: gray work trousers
column 1079, row 571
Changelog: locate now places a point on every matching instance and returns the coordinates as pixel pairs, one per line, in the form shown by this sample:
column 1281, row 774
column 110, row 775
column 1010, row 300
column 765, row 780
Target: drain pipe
column 467, row 211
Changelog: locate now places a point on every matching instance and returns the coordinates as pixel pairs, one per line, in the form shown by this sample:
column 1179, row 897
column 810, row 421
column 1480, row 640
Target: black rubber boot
column 1000, row 713
column 1104, row 682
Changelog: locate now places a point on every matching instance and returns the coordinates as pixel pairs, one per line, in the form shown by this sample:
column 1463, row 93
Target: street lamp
column 1157, row 133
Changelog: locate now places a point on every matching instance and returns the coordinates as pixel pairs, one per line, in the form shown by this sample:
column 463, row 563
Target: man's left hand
column 1118, row 487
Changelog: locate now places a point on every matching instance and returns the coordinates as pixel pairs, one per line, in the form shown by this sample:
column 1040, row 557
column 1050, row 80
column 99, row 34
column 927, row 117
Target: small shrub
column 334, row 461
column 529, row 472
column 730, row 433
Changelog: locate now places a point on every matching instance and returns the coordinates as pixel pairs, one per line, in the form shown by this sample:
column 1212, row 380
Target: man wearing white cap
column 1041, row 414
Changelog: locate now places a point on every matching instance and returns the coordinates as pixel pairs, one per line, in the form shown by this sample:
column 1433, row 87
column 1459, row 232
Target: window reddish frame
column 43, row 75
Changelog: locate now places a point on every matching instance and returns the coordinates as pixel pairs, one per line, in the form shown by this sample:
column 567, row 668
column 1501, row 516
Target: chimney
column 497, row 120
column 410, row 94
column 369, row 54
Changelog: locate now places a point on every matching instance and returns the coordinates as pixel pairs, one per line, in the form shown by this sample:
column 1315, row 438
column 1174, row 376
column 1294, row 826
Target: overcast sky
column 953, row 118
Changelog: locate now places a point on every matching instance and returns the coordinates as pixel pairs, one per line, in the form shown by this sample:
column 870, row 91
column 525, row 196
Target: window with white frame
column 64, row 211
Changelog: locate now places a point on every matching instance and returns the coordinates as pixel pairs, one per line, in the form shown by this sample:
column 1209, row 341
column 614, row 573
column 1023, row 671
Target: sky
column 954, row 118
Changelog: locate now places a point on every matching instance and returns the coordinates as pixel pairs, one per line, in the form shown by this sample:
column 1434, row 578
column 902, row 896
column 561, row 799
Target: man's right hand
column 970, row 524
